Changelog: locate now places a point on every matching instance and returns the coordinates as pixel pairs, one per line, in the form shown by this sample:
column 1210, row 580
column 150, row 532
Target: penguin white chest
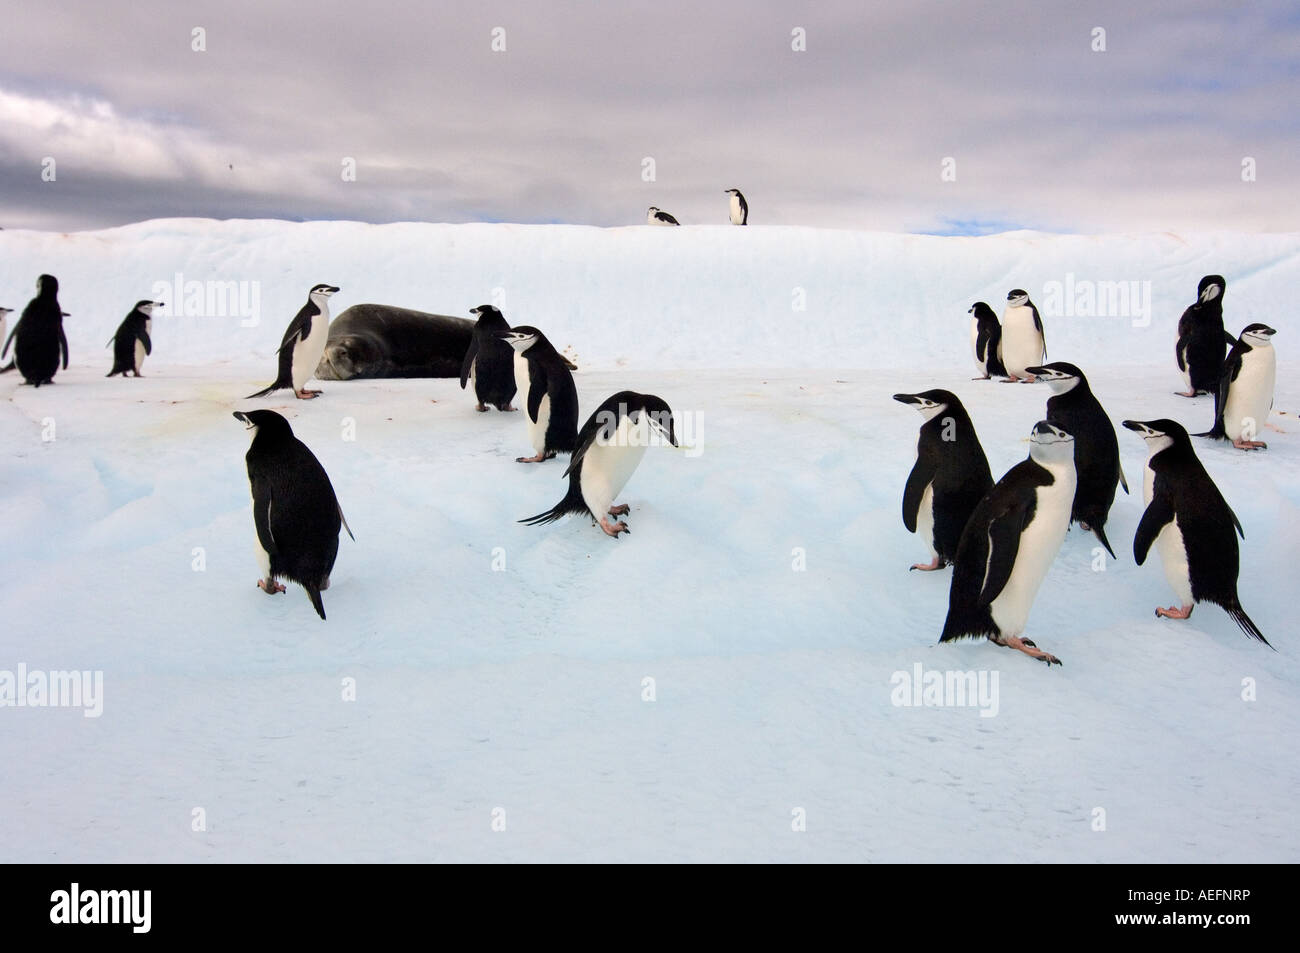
column 1170, row 546
column 737, row 214
column 609, row 464
column 925, row 519
column 139, row 346
column 307, row 352
column 1022, row 345
column 974, row 342
column 537, row 430
column 521, row 378
column 1250, row 396
column 1039, row 543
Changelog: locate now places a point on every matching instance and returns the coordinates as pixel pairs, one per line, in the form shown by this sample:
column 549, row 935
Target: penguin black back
column 490, row 360
column 38, row 336
column 1201, row 337
column 986, row 339
column 556, row 422
column 133, row 331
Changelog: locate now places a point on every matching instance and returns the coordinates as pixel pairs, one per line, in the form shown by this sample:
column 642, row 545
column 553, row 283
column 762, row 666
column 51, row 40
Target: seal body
column 379, row 340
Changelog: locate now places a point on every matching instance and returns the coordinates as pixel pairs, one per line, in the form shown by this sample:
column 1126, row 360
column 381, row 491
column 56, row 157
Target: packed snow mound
column 691, row 297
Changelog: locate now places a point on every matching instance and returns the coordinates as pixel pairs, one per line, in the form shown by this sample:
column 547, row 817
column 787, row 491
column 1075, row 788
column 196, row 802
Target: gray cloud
column 1046, row 133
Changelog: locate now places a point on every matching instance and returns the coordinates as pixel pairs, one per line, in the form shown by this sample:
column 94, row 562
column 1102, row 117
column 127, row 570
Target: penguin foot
column 613, row 529
column 937, row 563
column 1010, row 379
column 1173, row 612
column 481, row 408
column 305, row 394
column 621, row 510
column 270, row 586
column 1189, row 393
column 1274, row 427
column 1249, row 444
column 1030, row 649
column 537, row 459
column 508, row 408
column 1029, row 380
column 984, row 378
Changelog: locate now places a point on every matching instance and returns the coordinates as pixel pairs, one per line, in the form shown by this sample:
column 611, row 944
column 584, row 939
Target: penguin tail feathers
column 1100, row 532
column 1216, row 432
column 262, row 393
column 313, row 593
column 572, row 504
column 967, row 624
column 1243, row 621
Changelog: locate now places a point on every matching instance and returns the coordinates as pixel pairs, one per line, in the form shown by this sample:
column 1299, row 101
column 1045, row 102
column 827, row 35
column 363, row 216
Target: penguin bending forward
column 1245, row 391
column 132, row 342
column 654, row 216
column 1201, row 338
column 609, row 449
column 1076, row 410
column 303, row 344
column 950, row 477
column 38, row 337
column 986, row 341
column 550, row 396
column 1009, row 544
column 1193, row 528
column 489, row 361
column 1023, row 342
column 296, row 515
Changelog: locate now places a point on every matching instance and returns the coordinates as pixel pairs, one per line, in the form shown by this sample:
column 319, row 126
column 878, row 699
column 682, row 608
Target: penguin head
column 1158, row 434
column 981, row 310
column 652, row 211
column 658, row 415
column 146, row 307
column 1050, row 444
column 1258, row 335
column 735, row 192
column 265, row 424
column 490, row 318
column 930, row 403
column 4, row 311
column 1211, row 287
column 1061, row 376
column 47, row 286
column 322, row 292
column 521, row 338
column 1017, row 298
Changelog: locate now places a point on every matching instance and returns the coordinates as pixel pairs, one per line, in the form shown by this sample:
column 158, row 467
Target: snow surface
column 522, row 689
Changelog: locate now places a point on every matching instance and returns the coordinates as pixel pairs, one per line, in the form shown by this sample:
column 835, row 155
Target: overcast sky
column 1044, row 132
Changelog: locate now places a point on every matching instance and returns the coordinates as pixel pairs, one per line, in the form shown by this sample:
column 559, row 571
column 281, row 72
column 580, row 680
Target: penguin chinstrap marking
column 296, row 515
column 1009, row 544
column 303, row 344
column 1023, row 342
column 986, row 341
column 950, row 477
column 609, row 449
column 1075, row 409
column 1244, row 395
column 738, row 211
column 1202, row 339
column 132, row 343
column 654, row 216
column 1191, row 525
column 38, row 337
column 490, row 361
column 550, row 397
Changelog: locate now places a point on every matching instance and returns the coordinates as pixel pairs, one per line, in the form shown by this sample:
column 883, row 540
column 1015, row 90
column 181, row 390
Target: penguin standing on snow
column 131, row 342
column 1191, row 525
column 303, row 344
column 1077, row 411
column 38, row 336
column 1201, row 338
column 609, row 449
column 986, row 341
column 1023, row 341
column 655, row 217
column 489, row 361
column 1245, row 392
column 1009, row 544
column 739, row 210
column 295, row 512
column 550, row 397
column 950, row 477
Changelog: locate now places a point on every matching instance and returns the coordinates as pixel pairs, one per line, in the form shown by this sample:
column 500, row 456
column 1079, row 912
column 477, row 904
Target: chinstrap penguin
column 739, row 210
column 132, row 342
column 1202, row 339
column 1244, row 395
column 303, row 344
column 38, row 337
column 986, row 341
column 1193, row 528
column 1075, row 409
column 490, row 361
column 609, row 448
column 654, row 216
column 296, row 515
column 950, row 477
column 1009, row 544
column 1023, row 342
column 548, row 394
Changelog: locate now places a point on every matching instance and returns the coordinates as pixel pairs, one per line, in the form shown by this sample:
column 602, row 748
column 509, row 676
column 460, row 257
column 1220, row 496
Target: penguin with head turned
column 1202, row 339
column 295, row 512
column 38, row 337
column 1024, row 343
column 303, row 344
column 1075, row 409
column 489, row 361
column 550, row 398
column 609, row 449
column 1244, row 395
column 950, row 477
column 1190, row 524
column 132, row 343
column 986, row 341
column 1009, row 544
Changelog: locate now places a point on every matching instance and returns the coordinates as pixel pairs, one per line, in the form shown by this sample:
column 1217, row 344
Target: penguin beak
column 1141, row 429
column 1045, row 372
column 243, row 418
column 907, row 398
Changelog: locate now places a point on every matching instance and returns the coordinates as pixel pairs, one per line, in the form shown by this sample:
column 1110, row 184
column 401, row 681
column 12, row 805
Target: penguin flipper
column 344, row 520
column 922, row 476
column 313, row 593
column 262, row 523
column 1122, row 481
column 467, row 365
column 63, row 343
column 1156, row 517
column 1004, row 543
column 9, row 340
column 145, row 340
column 536, row 389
